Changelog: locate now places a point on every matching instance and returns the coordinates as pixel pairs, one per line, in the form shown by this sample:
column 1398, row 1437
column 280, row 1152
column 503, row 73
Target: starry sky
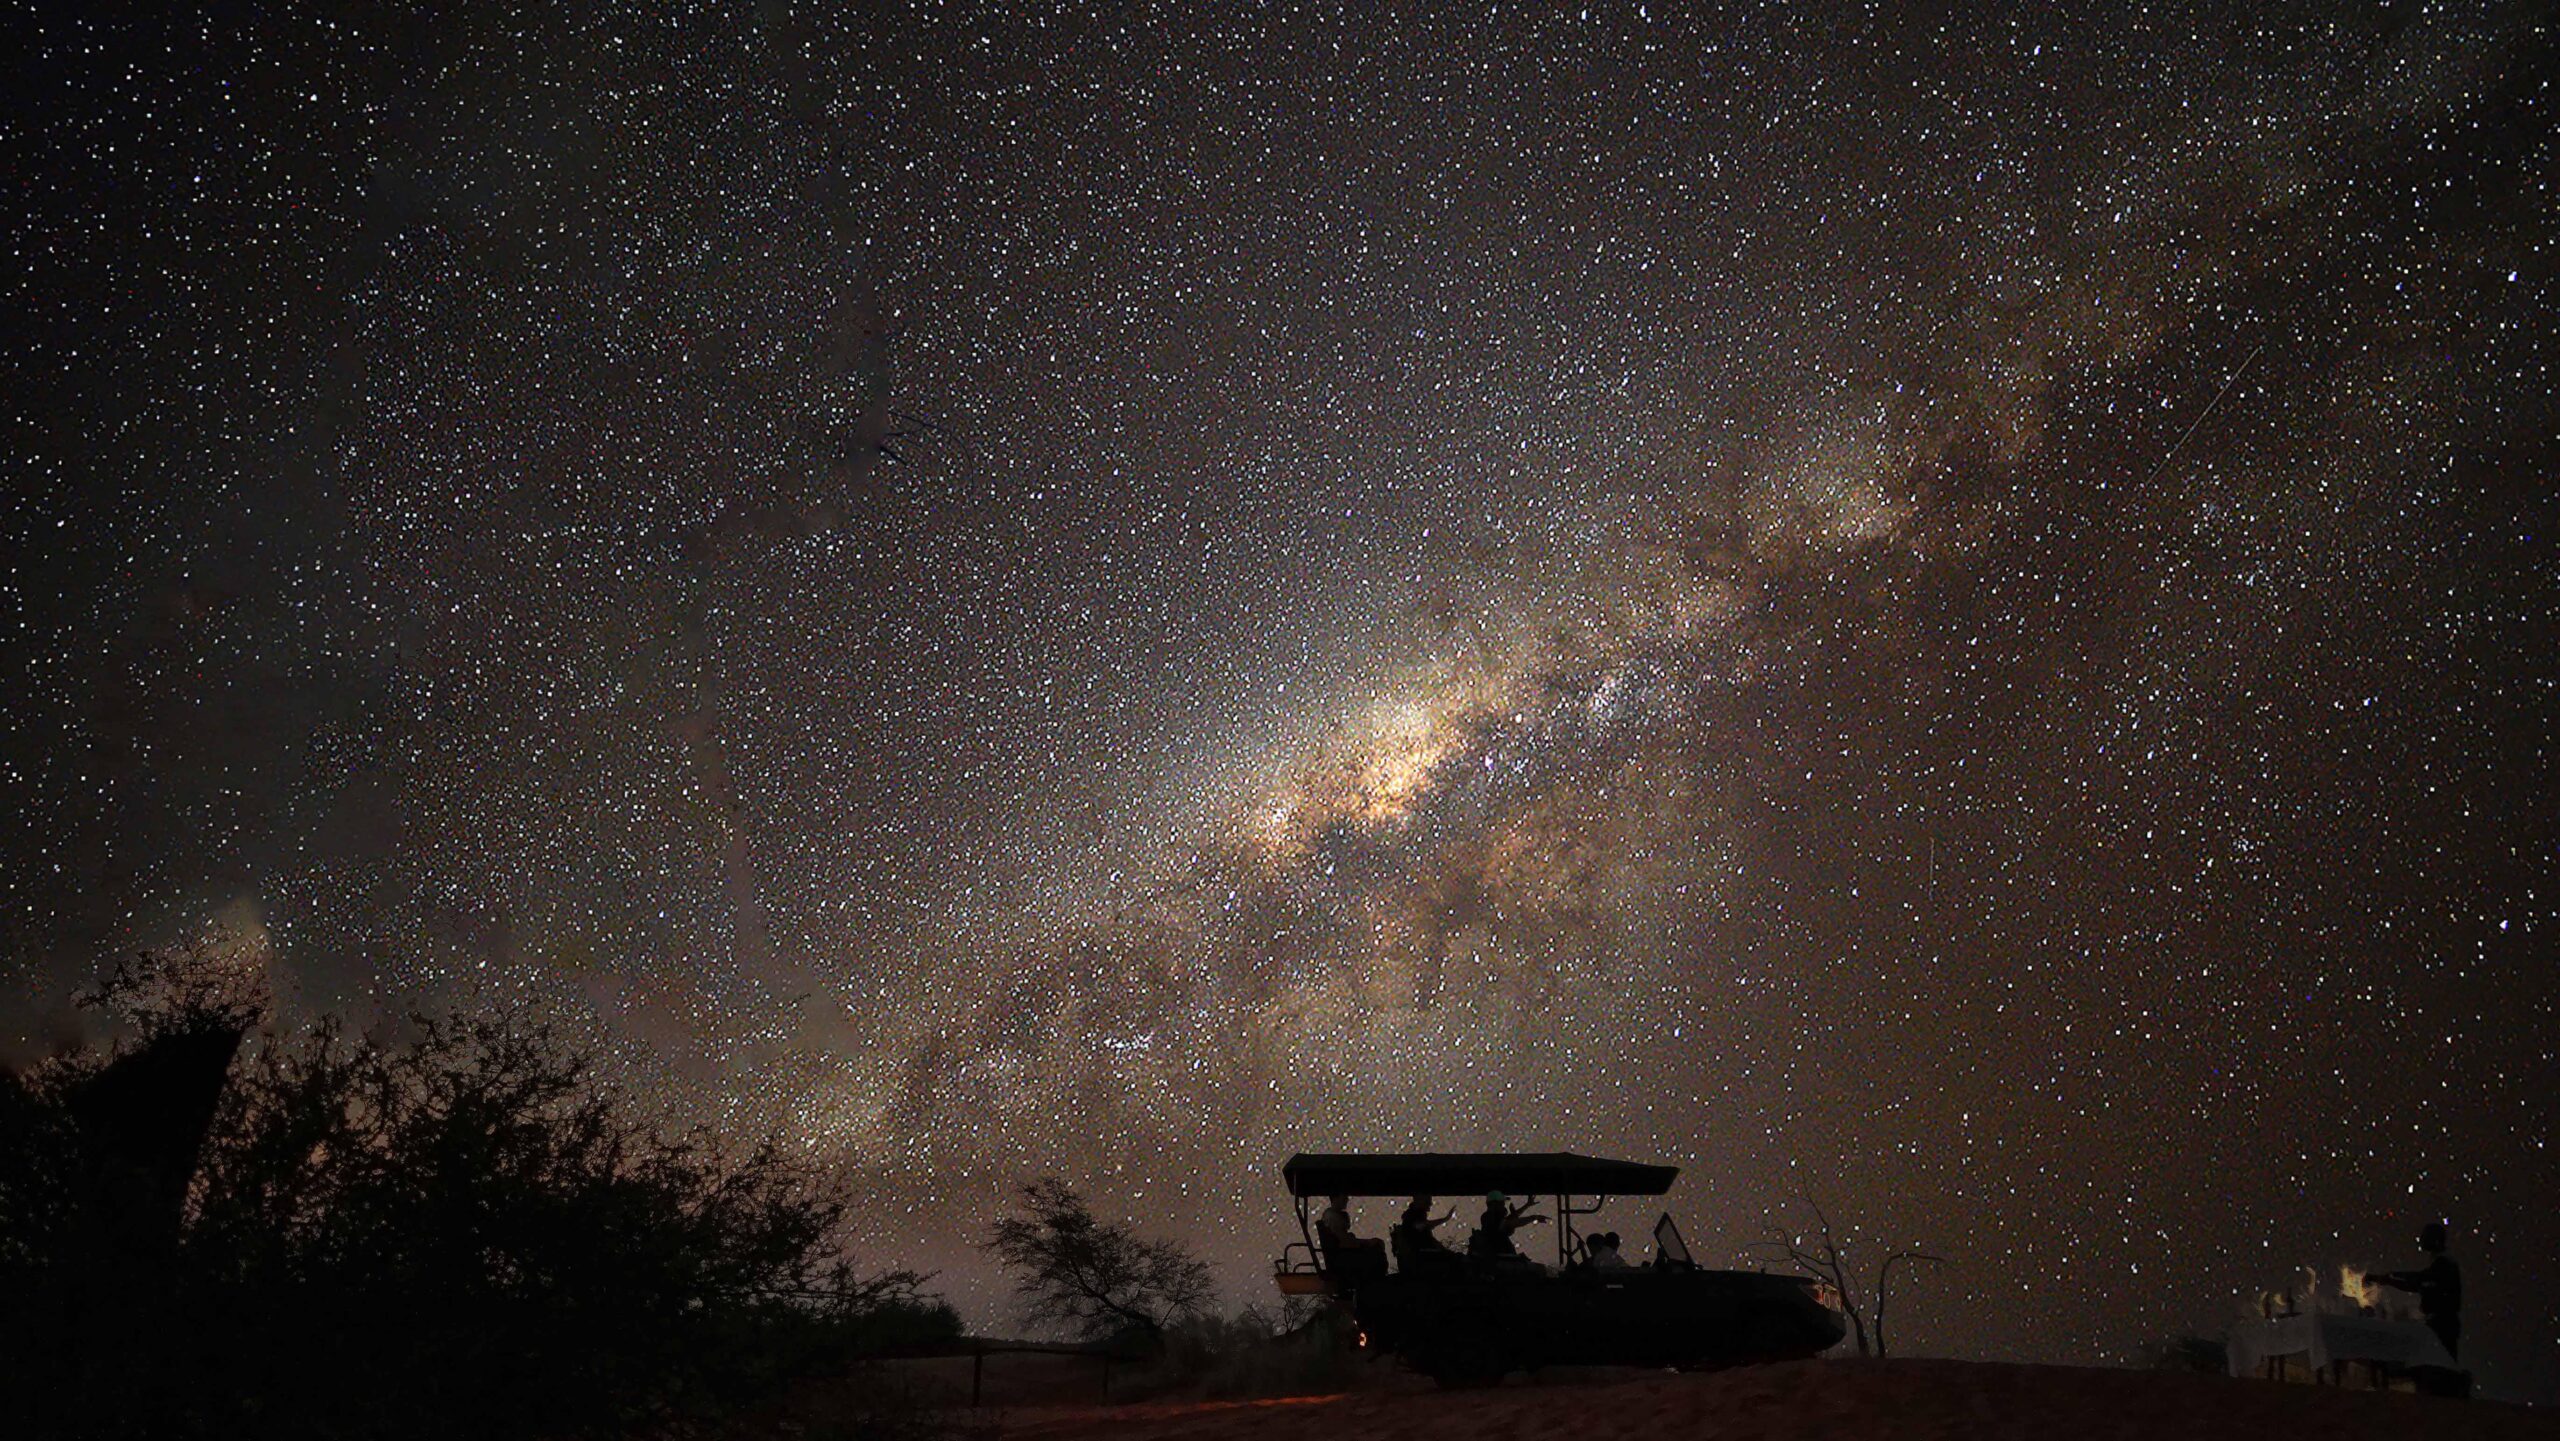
column 1952, row 618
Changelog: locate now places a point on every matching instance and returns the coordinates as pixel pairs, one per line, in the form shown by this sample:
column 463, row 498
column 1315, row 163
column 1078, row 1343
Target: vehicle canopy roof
column 1431, row 1173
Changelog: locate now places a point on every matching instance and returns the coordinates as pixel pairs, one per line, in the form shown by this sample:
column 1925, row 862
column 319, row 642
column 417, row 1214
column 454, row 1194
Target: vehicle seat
column 1354, row 1266
column 1430, row 1262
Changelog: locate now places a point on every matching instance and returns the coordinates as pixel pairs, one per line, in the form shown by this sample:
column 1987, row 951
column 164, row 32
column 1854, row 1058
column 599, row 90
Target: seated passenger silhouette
column 1355, row 1258
column 1492, row 1236
column 1415, row 1230
column 1601, row 1253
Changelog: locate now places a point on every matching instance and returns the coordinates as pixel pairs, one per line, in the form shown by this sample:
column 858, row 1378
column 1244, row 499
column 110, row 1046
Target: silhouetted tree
column 215, row 981
column 526, row 1232
column 462, row 1234
column 1820, row 1256
column 1094, row 1278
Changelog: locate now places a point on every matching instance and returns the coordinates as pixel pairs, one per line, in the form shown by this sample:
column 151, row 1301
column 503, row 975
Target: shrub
column 466, row 1234
column 2187, row 1352
column 1251, row 1352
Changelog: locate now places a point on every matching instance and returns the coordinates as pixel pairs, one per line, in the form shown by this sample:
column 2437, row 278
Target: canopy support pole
column 1565, row 1233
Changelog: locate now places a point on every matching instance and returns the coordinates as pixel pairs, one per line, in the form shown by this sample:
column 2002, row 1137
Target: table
column 2326, row 1338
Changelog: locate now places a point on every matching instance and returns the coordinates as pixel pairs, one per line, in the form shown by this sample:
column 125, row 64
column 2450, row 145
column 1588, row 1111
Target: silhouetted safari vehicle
column 1467, row 1319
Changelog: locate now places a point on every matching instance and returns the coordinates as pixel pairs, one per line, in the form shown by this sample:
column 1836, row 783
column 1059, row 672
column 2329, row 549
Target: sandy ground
column 1866, row 1400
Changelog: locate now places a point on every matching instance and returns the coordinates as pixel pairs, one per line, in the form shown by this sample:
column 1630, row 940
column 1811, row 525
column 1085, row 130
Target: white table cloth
column 2325, row 1338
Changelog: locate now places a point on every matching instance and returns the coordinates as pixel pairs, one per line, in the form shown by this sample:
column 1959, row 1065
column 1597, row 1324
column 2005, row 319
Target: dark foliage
column 1098, row 1280
column 215, row 982
column 2205, row 1355
column 461, row 1235
column 1307, row 1349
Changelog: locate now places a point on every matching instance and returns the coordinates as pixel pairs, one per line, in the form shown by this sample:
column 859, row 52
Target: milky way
column 1953, row 620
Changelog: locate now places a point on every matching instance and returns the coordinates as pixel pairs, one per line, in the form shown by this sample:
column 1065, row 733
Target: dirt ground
column 1866, row 1400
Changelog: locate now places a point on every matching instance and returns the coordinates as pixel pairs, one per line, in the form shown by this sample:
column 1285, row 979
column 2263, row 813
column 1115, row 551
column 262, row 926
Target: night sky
column 1956, row 619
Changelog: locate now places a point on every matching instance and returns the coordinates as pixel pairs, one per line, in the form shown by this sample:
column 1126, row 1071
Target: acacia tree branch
column 1076, row 1270
column 1826, row 1265
column 1837, row 1265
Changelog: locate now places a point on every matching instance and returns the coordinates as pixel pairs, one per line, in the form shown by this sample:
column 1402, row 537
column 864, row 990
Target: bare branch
column 1884, row 1288
column 1823, row 1258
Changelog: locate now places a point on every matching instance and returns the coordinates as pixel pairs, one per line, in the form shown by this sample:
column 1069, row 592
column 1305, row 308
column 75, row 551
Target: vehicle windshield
column 1667, row 1244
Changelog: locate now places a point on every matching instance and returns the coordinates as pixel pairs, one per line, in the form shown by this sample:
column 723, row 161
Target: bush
column 2188, row 1353
column 462, row 1235
column 1305, row 1350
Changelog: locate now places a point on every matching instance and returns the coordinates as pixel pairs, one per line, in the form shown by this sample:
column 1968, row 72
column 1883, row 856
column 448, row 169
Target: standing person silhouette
column 2438, row 1285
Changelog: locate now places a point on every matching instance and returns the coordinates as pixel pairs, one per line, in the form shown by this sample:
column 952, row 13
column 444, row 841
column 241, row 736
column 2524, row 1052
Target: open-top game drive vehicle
column 1466, row 1319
